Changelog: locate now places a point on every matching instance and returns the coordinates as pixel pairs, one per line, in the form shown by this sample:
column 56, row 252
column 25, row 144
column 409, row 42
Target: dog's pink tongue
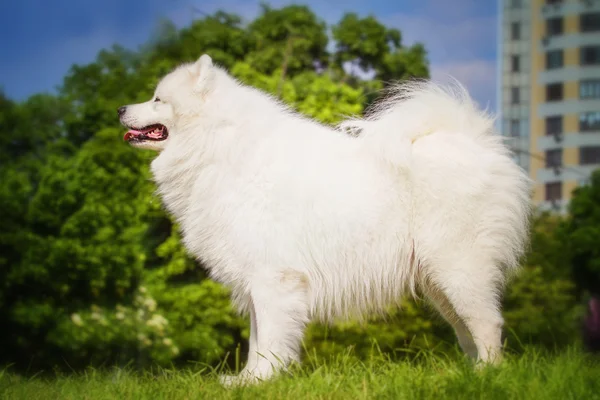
column 131, row 134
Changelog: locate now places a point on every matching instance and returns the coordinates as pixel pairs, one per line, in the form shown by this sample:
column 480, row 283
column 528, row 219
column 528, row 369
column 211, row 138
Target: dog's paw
column 494, row 362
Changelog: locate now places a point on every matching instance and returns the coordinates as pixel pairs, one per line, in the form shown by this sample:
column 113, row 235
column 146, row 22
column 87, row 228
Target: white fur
column 303, row 221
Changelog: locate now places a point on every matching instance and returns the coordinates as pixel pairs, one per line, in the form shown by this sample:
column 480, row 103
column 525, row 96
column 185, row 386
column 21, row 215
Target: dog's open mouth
column 156, row 132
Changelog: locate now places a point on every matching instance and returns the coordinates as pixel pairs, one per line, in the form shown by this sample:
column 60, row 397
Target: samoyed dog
column 304, row 221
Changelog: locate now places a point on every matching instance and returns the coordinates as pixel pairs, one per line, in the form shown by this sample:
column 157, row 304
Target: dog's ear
column 204, row 73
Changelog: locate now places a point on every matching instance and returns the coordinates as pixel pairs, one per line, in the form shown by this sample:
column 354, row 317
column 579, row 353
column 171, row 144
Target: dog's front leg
column 278, row 316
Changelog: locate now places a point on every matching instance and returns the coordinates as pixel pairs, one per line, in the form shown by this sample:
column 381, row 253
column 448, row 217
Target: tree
column 404, row 63
column 582, row 235
column 221, row 35
column 363, row 43
column 365, row 47
column 29, row 128
column 541, row 310
column 291, row 36
column 95, row 91
column 540, row 305
column 309, row 93
column 83, row 245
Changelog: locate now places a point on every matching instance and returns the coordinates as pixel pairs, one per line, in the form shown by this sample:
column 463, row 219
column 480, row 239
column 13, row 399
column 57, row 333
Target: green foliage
column 404, row 63
column 137, row 331
column 368, row 45
column 364, row 42
column 582, row 234
column 410, row 327
column 542, row 310
column 540, row 305
column 33, row 125
column 319, row 97
column 292, row 36
column 84, row 243
column 309, row 93
column 221, row 35
column 204, row 324
column 548, row 246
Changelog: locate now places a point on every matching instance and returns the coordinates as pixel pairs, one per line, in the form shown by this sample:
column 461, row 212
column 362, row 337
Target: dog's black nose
column 121, row 110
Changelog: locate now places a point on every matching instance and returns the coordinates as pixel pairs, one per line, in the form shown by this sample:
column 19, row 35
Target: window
column 554, row 92
column 589, row 155
column 589, row 89
column 553, row 191
column 554, row 59
column 515, row 95
column 554, row 26
column 589, row 121
column 590, row 55
column 554, row 125
column 515, row 31
column 553, row 158
column 515, row 128
column 514, row 63
column 589, row 22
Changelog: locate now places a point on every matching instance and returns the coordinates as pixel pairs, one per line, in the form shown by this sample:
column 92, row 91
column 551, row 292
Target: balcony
column 552, row 8
column 561, row 8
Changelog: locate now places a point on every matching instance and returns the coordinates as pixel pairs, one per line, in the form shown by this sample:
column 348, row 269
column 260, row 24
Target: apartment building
column 549, row 92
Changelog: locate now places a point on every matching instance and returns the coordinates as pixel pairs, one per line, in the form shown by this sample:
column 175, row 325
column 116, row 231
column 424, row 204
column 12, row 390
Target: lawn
column 533, row 375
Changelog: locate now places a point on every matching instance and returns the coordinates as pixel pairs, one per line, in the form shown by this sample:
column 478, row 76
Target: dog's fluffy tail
column 417, row 108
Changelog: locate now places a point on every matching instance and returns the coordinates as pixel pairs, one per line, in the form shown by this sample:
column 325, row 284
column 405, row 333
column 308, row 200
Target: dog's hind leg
column 472, row 290
column 279, row 314
column 443, row 306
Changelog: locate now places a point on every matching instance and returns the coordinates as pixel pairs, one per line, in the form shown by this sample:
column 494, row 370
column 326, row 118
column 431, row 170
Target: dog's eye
column 156, row 99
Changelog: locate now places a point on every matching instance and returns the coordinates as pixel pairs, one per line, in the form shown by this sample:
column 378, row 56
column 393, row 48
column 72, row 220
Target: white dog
column 303, row 221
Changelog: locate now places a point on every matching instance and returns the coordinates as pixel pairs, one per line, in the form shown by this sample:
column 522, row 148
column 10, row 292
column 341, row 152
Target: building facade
column 549, row 102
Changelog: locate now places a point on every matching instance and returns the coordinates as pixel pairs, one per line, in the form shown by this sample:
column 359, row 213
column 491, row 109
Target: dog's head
column 178, row 97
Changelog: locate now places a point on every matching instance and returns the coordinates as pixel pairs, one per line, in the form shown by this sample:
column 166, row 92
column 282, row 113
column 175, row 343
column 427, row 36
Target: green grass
column 534, row 375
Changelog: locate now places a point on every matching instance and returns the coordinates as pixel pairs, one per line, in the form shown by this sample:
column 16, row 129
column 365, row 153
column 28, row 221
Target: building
column 549, row 92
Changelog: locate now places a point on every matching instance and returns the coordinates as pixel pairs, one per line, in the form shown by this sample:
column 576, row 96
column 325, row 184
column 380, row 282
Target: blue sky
column 41, row 39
